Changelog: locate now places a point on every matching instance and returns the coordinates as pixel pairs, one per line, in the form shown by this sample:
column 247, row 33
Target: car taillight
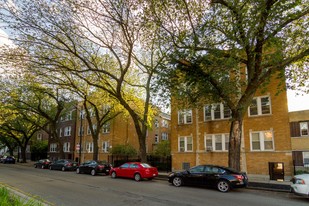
column 69, row 164
column 101, row 166
column 239, row 177
column 300, row 181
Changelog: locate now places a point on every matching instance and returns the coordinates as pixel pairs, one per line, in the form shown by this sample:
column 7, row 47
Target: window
column 303, row 128
column 106, row 108
column 66, row 147
column 216, row 112
column 216, row 142
column 82, row 114
column 185, row 144
column 156, row 138
column 89, row 146
column 164, row 136
column 185, row 117
column 81, row 131
column 260, row 106
column 69, row 116
column 156, row 123
column 105, row 146
column 53, row 147
column 67, row 131
column 262, row 141
column 39, row 136
column 60, row 132
column 106, row 127
column 164, row 123
column 94, row 126
column 306, row 158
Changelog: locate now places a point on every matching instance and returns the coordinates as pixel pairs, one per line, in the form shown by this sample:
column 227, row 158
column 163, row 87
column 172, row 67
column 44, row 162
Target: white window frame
column 66, row 147
column 262, row 140
column 224, row 137
column 212, row 112
column 39, row 136
column 105, row 146
column 156, row 138
column 89, row 147
column 186, row 147
column 306, row 158
column 185, row 116
column 164, row 123
column 81, row 130
column 259, row 106
column 304, row 126
column 156, row 123
column 164, row 136
column 106, row 128
column 67, row 131
column 53, row 147
column 60, row 132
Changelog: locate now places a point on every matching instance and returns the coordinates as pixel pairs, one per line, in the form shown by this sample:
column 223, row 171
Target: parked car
column 43, row 163
column 300, row 185
column 222, row 178
column 63, row 165
column 135, row 170
column 93, row 167
column 8, row 160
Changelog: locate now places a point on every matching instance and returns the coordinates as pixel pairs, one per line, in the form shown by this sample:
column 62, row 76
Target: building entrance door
column 276, row 170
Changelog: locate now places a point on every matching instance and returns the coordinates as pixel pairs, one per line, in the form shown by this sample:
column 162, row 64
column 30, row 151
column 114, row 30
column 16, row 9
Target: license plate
column 107, row 170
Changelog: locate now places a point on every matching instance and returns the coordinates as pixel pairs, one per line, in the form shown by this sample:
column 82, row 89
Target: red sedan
column 135, row 170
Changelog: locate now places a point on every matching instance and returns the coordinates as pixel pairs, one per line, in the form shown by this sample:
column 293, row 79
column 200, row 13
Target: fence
column 164, row 164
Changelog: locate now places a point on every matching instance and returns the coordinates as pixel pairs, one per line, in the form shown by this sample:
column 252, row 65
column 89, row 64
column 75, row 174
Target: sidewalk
column 255, row 182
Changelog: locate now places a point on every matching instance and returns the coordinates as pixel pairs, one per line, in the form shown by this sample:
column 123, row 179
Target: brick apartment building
column 299, row 124
column 201, row 135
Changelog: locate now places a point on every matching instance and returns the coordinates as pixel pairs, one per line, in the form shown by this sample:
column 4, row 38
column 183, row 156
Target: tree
column 98, row 42
column 163, row 149
column 226, row 50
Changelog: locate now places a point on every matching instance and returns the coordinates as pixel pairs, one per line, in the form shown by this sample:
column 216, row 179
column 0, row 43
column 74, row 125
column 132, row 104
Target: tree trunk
column 235, row 142
column 95, row 147
column 23, row 154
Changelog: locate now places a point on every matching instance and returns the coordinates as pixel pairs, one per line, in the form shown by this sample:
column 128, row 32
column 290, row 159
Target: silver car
column 300, row 185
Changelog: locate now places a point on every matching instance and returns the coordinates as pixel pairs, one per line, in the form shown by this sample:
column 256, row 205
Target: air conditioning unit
column 209, row 148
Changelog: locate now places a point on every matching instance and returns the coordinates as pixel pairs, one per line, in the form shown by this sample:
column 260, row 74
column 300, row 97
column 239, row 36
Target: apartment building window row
column 53, row 147
column 216, row 112
column 260, row 106
column 185, row 116
column 262, row 141
column 66, row 147
column 216, row 142
column 185, row 144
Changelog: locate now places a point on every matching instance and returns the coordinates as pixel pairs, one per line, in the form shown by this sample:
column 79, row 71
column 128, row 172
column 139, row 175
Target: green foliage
column 126, row 150
column 8, row 199
column 39, row 147
column 163, row 149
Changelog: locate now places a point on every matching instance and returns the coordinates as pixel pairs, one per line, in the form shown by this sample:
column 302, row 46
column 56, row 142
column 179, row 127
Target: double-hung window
column 216, row 142
column 105, row 146
column 185, row 116
column 262, row 141
column 303, row 128
column 185, row 144
column 89, row 146
column 66, row 147
column 106, row 128
column 164, row 136
column 216, row 112
column 67, row 131
column 53, row 147
column 260, row 106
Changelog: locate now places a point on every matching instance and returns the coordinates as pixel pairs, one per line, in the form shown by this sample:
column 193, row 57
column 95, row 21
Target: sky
column 295, row 102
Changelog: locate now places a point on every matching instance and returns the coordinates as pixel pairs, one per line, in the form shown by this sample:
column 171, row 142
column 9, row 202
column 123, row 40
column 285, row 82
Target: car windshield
column 145, row 165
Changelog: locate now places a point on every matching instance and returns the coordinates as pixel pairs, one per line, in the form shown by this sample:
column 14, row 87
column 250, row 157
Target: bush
column 8, row 199
column 124, row 150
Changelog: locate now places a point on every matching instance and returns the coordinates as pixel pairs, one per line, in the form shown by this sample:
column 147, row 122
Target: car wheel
column 93, row 173
column 150, row 178
column 114, row 175
column 77, row 171
column 63, row 169
column 177, row 181
column 223, row 186
column 137, row 177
